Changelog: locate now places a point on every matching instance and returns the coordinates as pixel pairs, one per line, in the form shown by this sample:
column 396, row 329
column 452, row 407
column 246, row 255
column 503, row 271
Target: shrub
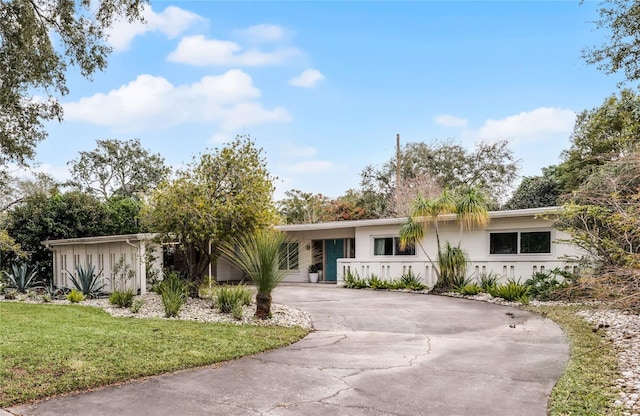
column 46, row 298
column 453, row 266
column 469, row 289
column 410, row 281
column 488, row 281
column 20, row 278
column 122, row 298
column 511, row 291
column 374, row 282
column 237, row 312
column 88, row 282
column 352, row 280
column 545, row 286
column 173, row 293
column 226, row 297
column 75, row 296
column 136, row 305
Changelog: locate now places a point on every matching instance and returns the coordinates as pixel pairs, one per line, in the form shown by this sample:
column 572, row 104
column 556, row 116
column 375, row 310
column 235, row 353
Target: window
column 537, row 242
column 390, row 246
column 289, row 256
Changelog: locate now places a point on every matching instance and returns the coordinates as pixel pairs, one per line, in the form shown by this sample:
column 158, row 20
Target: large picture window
column 390, row 246
column 289, row 256
column 533, row 242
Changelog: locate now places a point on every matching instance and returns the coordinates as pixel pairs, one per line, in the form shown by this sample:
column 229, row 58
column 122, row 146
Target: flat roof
column 515, row 213
column 103, row 239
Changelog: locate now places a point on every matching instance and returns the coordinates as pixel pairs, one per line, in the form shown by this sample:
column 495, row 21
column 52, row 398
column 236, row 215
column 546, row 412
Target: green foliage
column 488, row 280
column 491, row 166
column 75, row 296
column 545, row 286
column 136, row 305
column 374, row 282
column 20, row 278
column 511, row 291
column 221, row 195
column 88, row 281
column 352, row 280
column 453, row 267
column 410, row 281
column 621, row 52
column 45, row 216
column 115, row 167
column 10, row 294
column 600, row 136
column 46, row 298
column 237, row 312
column 40, row 40
column 537, row 191
column 173, row 292
column 469, row 289
column 122, row 298
column 257, row 255
column 227, row 297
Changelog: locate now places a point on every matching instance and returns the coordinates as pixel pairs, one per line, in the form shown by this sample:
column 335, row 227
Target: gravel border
column 198, row 310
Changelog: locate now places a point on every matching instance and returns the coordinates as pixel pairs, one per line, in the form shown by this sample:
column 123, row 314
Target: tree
column 491, row 166
column 222, row 194
column 622, row 51
column 601, row 135
column 257, row 255
column 117, row 167
column 470, row 207
column 32, row 67
column 44, row 216
column 537, row 191
column 302, row 207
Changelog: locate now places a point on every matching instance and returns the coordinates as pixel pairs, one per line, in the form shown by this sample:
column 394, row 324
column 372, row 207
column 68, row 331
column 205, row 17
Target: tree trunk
column 263, row 305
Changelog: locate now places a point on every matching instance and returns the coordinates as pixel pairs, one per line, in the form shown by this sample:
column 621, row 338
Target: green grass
column 51, row 349
column 587, row 386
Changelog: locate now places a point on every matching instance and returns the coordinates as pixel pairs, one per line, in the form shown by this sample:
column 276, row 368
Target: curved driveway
column 373, row 353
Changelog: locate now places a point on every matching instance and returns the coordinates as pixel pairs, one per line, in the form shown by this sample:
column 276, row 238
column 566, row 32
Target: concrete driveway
column 373, row 353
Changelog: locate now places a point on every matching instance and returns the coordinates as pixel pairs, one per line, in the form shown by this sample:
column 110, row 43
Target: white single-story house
column 514, row 244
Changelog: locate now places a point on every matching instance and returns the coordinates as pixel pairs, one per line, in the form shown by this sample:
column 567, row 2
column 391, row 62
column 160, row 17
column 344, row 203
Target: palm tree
column 470, row 207
column 257, row 255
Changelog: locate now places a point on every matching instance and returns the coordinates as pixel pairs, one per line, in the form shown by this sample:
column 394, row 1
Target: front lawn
column 51, row 349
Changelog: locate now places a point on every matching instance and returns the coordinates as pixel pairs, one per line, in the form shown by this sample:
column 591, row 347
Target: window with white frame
column 521, row 242
column 289, row 256
column 390, row 246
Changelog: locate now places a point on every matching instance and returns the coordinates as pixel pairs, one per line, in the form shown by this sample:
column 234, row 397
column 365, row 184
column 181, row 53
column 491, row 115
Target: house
column 514, row 244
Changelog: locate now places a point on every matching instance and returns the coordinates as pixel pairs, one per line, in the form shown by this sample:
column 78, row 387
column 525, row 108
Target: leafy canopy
column 222, row 194
column 117, row 167
column 33, row 67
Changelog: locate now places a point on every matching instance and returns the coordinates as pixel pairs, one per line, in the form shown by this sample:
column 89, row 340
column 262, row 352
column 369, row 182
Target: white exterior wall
column 475, row 243
column 105, row 258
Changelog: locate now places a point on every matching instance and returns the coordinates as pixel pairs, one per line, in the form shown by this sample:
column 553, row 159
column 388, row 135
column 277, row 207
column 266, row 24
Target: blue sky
column 323, row 87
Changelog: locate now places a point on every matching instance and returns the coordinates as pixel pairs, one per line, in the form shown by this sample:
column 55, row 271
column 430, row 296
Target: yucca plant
column 453, row 267
column 20, row 278
column 511, row 291
column 488, row 280
column 88, row 282
column 227, row 297
column 411, row 281
column 257, row 255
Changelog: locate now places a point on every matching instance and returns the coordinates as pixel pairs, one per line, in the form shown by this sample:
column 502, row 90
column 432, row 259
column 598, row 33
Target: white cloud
column 307, row 79
column 450, row 121
column 220, row 138
column 172, row 21
column 229, row 100
column 312, row 166
column 199, row 51
column 263, row 33
column 535, row 125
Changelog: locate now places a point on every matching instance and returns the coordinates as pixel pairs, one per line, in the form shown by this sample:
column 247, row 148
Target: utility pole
column 397, row 160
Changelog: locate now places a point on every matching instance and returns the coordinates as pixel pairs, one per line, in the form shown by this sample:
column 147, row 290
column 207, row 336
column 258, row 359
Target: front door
column 334, row 250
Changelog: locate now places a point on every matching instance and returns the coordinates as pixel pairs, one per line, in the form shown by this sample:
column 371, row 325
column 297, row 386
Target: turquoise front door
column 334, row 250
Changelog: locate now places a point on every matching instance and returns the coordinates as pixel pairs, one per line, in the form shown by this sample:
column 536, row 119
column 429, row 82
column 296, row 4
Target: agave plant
column 20, row 278
column 88, row 282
